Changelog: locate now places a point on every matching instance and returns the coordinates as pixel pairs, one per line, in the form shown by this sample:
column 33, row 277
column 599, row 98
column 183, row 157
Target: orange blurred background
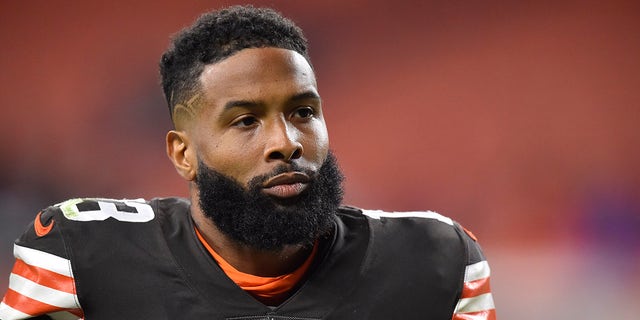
column 518, row 119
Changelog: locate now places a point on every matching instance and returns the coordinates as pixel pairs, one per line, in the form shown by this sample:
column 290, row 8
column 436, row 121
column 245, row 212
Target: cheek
column 317, row 144
column 227, row 156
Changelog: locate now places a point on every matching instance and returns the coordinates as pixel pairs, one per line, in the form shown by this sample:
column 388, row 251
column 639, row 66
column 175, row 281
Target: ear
column 182, row 154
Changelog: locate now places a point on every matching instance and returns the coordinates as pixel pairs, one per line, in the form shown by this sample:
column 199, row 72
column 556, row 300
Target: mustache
column 257, row 181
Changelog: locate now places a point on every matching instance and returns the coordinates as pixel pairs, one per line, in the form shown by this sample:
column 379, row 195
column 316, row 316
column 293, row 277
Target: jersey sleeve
column 41, row 284
column 476, row 300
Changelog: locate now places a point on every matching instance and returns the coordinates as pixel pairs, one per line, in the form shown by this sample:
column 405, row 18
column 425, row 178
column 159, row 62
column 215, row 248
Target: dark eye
column 245, row 121
column 304, row 112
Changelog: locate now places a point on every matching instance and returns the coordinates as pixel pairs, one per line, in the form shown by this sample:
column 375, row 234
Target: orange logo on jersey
column 41, row 230
column 470, row 234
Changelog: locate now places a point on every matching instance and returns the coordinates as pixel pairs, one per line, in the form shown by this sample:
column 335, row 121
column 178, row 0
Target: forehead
column 257, row 74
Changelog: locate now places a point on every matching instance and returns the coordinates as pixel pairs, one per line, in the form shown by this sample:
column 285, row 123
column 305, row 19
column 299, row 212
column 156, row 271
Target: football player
column 263, row 234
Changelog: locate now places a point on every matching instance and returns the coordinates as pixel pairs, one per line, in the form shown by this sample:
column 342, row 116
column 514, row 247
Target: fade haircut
column 217, row 35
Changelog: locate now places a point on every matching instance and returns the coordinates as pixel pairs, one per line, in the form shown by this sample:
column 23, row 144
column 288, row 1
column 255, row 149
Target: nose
column 282, row 142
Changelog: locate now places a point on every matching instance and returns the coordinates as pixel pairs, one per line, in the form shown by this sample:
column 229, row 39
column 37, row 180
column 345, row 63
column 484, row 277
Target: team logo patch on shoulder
column 95, row 209
column 40, row 229
column 470, row 234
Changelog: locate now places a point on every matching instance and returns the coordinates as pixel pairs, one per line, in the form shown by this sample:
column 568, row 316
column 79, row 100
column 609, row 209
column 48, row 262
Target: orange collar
column 268, row 290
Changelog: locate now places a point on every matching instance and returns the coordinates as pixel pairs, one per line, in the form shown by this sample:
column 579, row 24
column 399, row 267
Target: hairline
column 195, row 96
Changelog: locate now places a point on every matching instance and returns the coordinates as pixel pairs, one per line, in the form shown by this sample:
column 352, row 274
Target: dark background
column 518, row 119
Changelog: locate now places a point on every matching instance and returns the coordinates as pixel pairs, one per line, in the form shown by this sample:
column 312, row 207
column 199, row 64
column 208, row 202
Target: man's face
column 260, row 109
column 260, row 149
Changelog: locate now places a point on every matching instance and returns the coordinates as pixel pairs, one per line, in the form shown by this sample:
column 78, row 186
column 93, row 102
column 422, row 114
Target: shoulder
column 430, row 240
column 400, row 221
column 417, row 228
column 83, row 216
column 380, row 215
column 82, row 225
column 67, row 239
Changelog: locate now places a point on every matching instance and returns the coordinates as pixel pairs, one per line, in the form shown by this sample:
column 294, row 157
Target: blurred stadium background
column 519, row 119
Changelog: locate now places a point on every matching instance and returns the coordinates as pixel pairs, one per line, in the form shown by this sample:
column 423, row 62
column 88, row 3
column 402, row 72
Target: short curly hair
column 217, row 35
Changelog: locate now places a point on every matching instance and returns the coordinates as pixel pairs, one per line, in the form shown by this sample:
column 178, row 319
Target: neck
column 245, row 258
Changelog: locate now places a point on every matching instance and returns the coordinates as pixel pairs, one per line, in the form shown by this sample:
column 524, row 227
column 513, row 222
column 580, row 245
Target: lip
column 286, row 185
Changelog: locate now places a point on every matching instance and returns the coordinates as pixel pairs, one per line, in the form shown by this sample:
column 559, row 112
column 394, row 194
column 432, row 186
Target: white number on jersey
column 101, row 209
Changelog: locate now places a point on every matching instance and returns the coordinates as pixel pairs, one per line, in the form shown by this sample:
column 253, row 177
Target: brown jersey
column 132, row 259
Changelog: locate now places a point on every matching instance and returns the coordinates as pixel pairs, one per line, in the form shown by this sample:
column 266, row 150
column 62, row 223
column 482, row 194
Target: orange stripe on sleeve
column 44, row 277
column 476, row 287
column 33, row 307
column 480, row 315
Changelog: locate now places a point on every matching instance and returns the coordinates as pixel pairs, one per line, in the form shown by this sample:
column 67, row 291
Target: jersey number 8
column 101, row 209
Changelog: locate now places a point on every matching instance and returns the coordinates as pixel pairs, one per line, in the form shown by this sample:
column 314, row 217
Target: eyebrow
column 252, row 104
column 305, row 96
column 239, row 104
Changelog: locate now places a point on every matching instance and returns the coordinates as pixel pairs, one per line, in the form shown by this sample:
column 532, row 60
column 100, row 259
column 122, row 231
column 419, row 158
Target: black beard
column 255, row 219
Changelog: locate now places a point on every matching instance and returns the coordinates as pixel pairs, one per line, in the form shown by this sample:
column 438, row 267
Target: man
column 263, row 234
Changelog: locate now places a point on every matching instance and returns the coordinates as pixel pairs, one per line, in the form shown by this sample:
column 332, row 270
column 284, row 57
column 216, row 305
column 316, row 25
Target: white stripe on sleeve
column 43, row 260
column 479, row 303
column 477, row 271
column 41, row 293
